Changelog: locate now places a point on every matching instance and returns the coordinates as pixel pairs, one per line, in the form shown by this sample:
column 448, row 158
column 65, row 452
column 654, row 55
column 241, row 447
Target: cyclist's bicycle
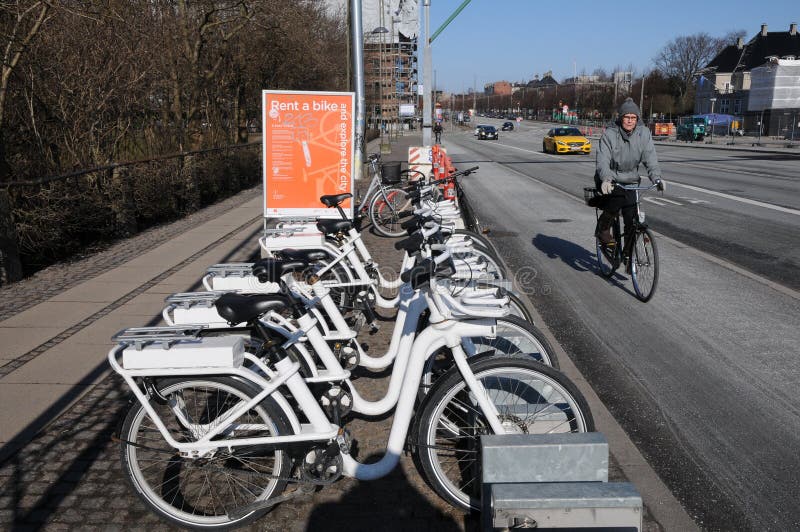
column 638, row 251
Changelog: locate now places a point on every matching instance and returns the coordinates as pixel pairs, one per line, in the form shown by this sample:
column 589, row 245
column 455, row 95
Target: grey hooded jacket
column 620, row 154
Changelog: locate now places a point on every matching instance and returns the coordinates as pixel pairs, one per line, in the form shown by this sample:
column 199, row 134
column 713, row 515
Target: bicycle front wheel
column 514, row 338
column 200, row 493
column 644, row 265
column 388, row 210
column 530, row 398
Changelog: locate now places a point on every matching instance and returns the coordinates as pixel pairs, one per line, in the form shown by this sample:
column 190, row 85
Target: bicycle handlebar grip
column 409, row 224
column 409, row 244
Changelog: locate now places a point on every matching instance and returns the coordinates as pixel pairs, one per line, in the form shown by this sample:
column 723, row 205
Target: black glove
column 660, row 185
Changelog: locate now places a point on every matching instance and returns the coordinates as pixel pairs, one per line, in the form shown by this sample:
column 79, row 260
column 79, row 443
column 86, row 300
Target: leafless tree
column 684, row 56
column 20, row 22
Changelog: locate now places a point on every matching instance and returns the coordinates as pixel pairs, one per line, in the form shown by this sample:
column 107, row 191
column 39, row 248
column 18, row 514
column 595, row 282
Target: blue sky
column 512, row 40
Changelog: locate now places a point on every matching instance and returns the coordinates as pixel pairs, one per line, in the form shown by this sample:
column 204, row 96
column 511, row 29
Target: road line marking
column 537, row 152
column 658, row 201
column 737, row 198
column 724, row 169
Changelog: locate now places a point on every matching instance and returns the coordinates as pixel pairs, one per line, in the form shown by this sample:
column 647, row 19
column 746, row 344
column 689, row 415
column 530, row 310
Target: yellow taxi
column 565, row 140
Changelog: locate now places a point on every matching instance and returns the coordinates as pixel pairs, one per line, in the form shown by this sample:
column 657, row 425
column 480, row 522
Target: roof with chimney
column 740, row 56
column 546, row 81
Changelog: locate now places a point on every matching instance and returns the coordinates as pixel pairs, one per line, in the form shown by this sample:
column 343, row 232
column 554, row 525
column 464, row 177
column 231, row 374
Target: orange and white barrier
column 420, row 158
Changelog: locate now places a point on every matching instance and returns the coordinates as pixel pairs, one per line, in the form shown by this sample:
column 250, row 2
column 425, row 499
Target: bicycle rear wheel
column 608, row 256
column 388, row 210
column 530, row 398
column 644, row 265
column 200, row 493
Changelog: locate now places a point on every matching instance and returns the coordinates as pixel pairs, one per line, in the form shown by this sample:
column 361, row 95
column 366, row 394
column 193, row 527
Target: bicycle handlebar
column 637, row 187
column 454, row 175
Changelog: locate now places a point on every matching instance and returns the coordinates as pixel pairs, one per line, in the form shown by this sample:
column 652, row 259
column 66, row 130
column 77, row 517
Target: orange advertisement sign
column 308, row 151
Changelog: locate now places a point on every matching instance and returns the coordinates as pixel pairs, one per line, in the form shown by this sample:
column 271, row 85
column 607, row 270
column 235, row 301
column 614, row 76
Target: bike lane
column 674, row 372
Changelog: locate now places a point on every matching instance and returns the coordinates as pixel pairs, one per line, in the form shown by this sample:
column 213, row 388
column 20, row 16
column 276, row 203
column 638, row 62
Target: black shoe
column 606, row 237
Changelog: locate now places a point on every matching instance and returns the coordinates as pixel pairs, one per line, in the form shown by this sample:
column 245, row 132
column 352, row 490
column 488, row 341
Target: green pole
column 449, row 20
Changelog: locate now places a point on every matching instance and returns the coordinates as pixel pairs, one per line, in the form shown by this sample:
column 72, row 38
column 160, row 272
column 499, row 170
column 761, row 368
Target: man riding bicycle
column 437, row 131
column 623, row 146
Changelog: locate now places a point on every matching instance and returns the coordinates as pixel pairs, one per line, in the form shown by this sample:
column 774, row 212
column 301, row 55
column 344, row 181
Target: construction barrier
column 420, row 158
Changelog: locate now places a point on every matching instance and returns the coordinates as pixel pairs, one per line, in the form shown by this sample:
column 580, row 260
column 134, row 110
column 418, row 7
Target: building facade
column 391, row 29
column 724, row 84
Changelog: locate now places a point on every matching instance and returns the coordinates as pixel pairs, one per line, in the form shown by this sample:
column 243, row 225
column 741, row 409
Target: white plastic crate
column 213, row 352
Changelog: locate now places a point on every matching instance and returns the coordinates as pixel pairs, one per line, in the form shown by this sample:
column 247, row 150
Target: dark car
column 508, row 126
column 487, row 132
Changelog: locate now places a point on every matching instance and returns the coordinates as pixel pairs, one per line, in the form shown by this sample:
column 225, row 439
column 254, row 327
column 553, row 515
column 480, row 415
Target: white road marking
column 693, row 201
column 736, row 198
column 658, row 201
column 720, row 169
column 690, row 187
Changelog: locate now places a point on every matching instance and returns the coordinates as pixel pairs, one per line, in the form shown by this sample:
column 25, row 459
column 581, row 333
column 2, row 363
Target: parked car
column 487, row 132
column 507, row 126
column 566, row 140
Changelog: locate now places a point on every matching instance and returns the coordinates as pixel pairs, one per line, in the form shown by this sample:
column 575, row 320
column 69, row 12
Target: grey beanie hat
column 629, row 107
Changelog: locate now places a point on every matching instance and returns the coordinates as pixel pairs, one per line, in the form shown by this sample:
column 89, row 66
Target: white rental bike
column 216, row 433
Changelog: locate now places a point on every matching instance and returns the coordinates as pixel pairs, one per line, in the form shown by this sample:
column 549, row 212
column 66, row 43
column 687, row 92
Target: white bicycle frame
column 442, row 331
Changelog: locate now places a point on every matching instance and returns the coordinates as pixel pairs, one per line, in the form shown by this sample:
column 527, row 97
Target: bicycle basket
column 589, row 195
column 390, row 173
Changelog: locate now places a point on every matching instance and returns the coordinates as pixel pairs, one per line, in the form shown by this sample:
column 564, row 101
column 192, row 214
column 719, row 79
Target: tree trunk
column 10, row 264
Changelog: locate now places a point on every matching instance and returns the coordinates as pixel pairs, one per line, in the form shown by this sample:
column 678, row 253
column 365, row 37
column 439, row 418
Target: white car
column 478, row 128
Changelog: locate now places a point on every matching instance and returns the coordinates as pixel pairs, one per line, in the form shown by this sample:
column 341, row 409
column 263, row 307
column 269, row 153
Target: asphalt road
column 704, row 376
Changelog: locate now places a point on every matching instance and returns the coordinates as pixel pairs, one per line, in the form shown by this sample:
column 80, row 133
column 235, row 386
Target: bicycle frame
column 441, row 332
column 623, row 253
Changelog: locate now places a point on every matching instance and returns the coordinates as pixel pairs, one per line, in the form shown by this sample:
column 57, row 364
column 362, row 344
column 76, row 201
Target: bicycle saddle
column 334, row 199
column 307, row 255
column 333, row 226
column 271, row 270
column 239, row 308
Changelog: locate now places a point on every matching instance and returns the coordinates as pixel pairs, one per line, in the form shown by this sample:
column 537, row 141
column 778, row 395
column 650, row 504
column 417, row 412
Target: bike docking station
column 553, row 481
column 433, row 162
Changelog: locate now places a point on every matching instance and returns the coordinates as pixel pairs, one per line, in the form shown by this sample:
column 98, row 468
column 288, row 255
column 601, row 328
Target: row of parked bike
column 248, row 389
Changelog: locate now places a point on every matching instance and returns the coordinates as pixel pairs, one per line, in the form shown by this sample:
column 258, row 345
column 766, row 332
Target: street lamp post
column 712, row 100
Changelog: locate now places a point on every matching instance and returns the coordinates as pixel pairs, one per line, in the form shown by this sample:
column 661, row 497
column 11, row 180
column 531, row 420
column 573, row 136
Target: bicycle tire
column 530, row 398
column 519, row 308
column 644, row 265
column 388, row 210
column 608, row 257
column 178, row 499
column 605, row 259
column 494, row 267
column 514, row 337
column 338, row 274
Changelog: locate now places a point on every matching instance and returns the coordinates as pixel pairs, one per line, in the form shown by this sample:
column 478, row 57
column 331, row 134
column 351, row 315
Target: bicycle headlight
column 641, row 217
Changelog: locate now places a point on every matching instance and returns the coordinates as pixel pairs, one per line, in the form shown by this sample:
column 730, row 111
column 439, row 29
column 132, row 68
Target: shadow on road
column 577, row 257
column 573, row 255
column 392, row 503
